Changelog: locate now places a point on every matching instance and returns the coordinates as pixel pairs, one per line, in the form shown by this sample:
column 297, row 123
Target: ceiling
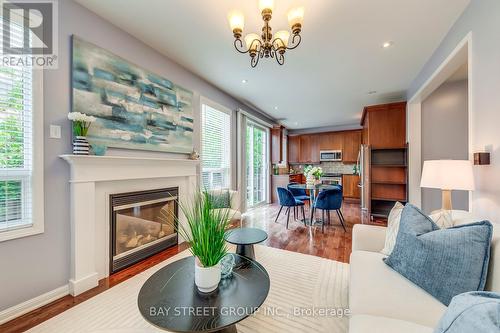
column 326, row 80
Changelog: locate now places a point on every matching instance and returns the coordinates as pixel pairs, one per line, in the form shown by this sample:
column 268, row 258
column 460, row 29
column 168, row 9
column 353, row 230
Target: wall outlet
column 55, row 132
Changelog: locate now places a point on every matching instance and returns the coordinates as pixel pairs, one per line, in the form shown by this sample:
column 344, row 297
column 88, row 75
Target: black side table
column 245, row 238
column 170, row 300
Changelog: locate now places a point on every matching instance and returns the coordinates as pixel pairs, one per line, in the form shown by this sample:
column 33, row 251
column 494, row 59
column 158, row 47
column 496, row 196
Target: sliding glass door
column 257, row 164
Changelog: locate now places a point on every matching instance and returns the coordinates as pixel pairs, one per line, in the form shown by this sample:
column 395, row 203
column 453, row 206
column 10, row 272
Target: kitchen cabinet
column 331, row 141
column 294, row 149
column 297, row 178
column 351, row 145
column 384, row 126
column 277, row 145
column 350, row 186
column 384, row 132
column 309, row 148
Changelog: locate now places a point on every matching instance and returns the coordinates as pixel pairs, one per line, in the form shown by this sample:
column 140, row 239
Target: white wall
column 445, row 136
column 482, row 19
column 34, row 265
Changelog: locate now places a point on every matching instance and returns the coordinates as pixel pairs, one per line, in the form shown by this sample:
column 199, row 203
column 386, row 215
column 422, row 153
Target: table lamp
column 447, row 175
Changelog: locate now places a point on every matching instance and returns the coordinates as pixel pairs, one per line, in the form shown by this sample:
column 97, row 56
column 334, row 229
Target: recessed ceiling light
column 296, row 123
column 244, row 81
column 372, row 92
column 276, row 108
column 388, row 44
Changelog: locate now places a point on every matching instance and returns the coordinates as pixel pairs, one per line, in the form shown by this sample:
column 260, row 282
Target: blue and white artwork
column 135, row 109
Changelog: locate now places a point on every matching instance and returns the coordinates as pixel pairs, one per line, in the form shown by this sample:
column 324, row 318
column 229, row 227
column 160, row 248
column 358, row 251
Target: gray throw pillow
column 477, row 311
column 443, row 262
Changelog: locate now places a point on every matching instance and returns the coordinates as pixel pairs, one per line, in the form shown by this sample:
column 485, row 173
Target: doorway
column 257, row 164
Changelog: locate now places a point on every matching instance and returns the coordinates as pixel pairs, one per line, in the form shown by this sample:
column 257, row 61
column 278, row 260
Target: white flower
column 77, row 116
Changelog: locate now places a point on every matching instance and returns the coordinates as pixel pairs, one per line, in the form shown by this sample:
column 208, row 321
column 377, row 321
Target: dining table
column 313, row 189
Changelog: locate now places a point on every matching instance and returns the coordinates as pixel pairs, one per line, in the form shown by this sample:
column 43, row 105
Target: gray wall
column 445, row 136
column 34, row 265
column 482, row 20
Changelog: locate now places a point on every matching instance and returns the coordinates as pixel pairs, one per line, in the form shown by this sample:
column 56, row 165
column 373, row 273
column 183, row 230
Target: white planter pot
column 206, row 278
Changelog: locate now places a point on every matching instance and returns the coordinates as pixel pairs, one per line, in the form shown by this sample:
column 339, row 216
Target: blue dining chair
column 327, row 200
column 286, row 199
column 299, row 194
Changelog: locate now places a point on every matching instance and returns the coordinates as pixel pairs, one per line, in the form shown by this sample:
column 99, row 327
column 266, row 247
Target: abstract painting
column 135, row 109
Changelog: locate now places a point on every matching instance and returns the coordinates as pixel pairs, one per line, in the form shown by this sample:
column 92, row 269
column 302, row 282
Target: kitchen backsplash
column 329, row 167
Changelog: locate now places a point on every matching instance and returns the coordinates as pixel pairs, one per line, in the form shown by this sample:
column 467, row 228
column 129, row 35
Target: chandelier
column 266, row 45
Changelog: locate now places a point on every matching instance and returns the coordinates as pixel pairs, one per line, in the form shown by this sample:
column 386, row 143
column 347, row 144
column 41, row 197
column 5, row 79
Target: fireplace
column 142, row 223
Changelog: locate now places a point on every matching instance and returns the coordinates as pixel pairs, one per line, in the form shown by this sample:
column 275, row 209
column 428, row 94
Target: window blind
column 16, row 166
column 216, row 148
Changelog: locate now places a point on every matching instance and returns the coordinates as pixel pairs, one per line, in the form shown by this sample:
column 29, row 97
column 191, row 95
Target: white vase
column 206, row 279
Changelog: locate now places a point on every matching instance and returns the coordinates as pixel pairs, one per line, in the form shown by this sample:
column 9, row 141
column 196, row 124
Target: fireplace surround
column 92, row 180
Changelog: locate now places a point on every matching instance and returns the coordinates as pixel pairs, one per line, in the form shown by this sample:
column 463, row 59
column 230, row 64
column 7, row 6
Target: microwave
column 330, row 155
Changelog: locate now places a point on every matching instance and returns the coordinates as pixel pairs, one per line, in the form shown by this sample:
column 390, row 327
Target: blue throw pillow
column 443, row 262
column 476, row 311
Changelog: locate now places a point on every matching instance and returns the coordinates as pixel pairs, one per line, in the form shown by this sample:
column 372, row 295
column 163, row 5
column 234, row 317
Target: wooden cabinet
column 351, row 146
column 277, row 144
column 385, row 125
column 294, row 149
column 331, row 141
column 384, row 131
column 309, row 148
column 297, row 178
column 350, row 186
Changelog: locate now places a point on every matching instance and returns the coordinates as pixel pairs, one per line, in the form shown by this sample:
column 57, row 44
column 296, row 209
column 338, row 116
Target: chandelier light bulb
column 281, row 38
column 252, row 44
column 266, row 5
column 296, row 17
column 236, row 21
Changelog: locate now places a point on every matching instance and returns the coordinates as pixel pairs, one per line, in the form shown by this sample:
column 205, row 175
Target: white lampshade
column 281, row 38
column 296, row 16
column 236, row 20
column 252, row 45
column 448, row 175
column 266, row 4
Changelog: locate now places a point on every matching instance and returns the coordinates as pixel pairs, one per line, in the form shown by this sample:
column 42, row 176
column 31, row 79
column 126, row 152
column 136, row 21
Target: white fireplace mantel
column 87, row 172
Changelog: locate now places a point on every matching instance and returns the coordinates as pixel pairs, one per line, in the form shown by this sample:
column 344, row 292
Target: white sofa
column 381, row 300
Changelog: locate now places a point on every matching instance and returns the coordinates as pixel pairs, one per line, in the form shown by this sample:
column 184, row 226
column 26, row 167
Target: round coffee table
column 244, row 239
column 170, row 300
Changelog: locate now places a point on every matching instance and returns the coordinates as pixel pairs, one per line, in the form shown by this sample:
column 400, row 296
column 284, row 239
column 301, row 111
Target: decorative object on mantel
column 205, row 231
column 80, row 124
column 482, row 158
column 448, row 175
column 135, row 109
column 194, row 155
column 313, row 175
column 266, row 45
column 99, row 150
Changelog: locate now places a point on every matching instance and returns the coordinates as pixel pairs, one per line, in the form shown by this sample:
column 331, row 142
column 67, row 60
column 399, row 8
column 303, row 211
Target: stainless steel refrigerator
column 364, row 171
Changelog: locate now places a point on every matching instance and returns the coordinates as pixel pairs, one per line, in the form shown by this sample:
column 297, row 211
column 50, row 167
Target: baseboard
column 33, row 304
column 76, row 287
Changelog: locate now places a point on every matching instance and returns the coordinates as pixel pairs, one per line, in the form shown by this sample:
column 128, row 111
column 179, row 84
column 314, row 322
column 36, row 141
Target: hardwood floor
column 333, row 244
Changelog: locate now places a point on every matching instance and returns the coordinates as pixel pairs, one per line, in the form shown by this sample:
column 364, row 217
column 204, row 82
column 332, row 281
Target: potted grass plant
column 204, row 231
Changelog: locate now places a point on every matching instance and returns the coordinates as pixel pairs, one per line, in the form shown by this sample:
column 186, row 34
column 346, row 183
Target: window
column 215, row 147
column 18, row 101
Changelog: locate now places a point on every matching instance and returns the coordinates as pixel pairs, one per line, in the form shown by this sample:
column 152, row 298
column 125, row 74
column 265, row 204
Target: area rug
column 307, row 294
